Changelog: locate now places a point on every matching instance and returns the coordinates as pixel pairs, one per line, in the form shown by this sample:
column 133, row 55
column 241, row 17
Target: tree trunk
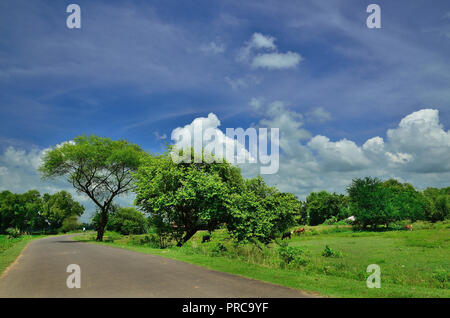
column 102, row 224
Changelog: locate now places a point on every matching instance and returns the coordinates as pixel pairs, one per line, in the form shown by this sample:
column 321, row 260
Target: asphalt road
column 40, row 271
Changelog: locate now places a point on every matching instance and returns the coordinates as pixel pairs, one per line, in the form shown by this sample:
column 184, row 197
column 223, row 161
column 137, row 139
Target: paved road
column 106, row 271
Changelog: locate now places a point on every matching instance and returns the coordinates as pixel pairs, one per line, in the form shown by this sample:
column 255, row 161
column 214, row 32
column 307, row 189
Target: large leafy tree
column 58, row 207
column 183, row 198
column 438, row 204
column 321, row 206
column 407, row 201
column 99, row 167
column 261, row 213
column 22, row 211
column 370, row 202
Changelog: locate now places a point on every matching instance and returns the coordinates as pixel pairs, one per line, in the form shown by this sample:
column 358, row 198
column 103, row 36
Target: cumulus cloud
column 205, row 132
column 420, row 136
column 416, row 151
column 270, row 59
column 343, row 155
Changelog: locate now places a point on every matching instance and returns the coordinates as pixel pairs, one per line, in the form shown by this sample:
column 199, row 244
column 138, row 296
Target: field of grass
column 11, row 248
column 413, row 263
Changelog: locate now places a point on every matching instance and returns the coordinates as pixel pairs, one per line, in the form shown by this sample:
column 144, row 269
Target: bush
column 13, row 232
column 111, row 236
column 70, row 224
column 292, row 256
column 261, row 212
column 218, row 250
column 328, row 252
column 127, row 221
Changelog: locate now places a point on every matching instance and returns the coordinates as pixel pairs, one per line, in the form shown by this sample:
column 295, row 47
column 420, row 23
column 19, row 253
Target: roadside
column 11, row 249
column 328, row 276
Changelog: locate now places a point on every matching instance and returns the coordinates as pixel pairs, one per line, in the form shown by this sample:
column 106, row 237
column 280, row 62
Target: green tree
column 21, row 211
column 127, row 221
column 438, row 204
column 70, row 223
column 260, row 212
column 58, row 207
column 370, row 202
column 99, row 167
column 182, row 198
column 321, row 206
column 407, row 201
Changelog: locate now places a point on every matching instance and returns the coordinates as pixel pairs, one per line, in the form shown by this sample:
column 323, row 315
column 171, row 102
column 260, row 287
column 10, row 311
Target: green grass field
column 11, row 248
column 413, row 263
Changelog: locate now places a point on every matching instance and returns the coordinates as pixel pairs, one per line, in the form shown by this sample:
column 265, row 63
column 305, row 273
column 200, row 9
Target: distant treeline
column 30, row 212
column 373, row 202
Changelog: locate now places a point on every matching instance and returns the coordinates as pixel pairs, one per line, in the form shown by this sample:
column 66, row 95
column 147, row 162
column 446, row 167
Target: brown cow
column 408, row 227
column 299, row 231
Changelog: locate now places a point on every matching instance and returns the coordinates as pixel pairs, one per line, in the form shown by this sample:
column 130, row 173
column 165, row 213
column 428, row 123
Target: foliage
column 261, row 212
column 70, row 223
column 127, row 221
column 59, row 207
column 370, row 202
column 328, row 252
column 293, row 256
column 322, row 206
column 29, row 212
column 185, row 197
column 439, row 204
column 13, row 232
column 405, row 200
column 99, row 167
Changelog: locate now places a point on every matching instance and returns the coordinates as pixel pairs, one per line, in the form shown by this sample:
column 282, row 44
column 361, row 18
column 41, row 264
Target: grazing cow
column 299, row 231
column 206, row 238
column 408, row 227
column 285, row 235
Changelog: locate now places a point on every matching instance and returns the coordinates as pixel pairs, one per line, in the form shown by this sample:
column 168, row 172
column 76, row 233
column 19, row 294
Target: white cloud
column 270, row 60
column 315, row 163
column 276, row 60
column 343, row 155
column 187, row 136
column 422, row 136
column 261, row 41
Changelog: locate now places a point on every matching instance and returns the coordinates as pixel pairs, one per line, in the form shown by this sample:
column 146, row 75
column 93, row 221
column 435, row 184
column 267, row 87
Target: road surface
column 40, row 271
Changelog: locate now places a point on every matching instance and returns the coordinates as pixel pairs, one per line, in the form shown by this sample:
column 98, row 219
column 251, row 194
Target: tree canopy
column 99, row 167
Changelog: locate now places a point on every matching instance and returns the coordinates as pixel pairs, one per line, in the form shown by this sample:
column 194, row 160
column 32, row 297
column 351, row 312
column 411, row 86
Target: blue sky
column 139, row 69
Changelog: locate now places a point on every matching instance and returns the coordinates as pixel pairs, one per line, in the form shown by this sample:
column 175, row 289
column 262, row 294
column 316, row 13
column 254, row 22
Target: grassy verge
column 11, row 248
column 413, row 263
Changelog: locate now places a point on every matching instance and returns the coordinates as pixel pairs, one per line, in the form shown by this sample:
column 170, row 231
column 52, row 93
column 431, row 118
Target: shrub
column 218, row 250
column 292, row 256
column 13, row 232
column 111, row 236
column 442, row 276
column 70, row 224
column 328, row 252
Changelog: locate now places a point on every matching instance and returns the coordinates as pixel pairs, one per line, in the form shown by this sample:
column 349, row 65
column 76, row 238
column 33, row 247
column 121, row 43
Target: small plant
column 13, row 232
column 328, row 252
column 442, row 276
column 218, row 249
column 292, row 256
column 111, row 236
